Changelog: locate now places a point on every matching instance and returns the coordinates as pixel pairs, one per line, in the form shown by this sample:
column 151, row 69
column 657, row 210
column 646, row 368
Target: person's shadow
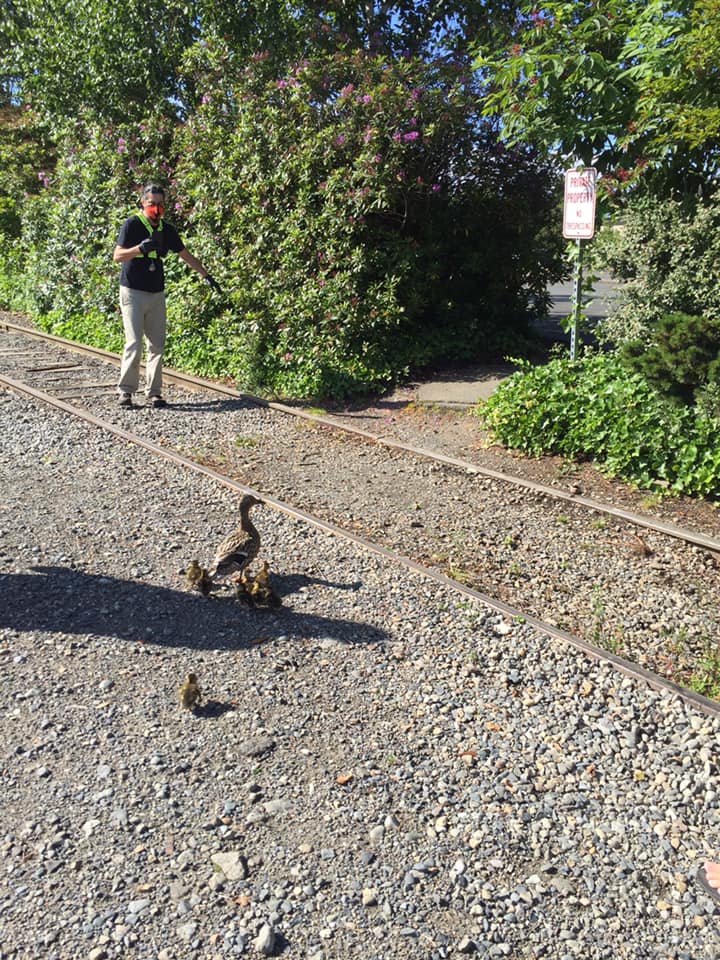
column 63, row 600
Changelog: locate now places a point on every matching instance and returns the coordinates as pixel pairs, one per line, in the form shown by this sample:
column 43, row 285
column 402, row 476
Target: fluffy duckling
column 190, row 693
column 243, row 587
column 639, row 547
column 197, row 578
column 240, row 547
column 261, row 591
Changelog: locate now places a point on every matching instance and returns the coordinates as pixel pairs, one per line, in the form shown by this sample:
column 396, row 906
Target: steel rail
column 192, row 382
column 626, row 667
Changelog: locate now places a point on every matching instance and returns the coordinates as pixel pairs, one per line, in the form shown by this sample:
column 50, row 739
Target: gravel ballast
column 646, row 596
column 380, row 769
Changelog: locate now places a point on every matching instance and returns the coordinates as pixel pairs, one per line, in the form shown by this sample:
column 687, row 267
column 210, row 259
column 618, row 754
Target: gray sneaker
column 125, row 400
column 157, row 402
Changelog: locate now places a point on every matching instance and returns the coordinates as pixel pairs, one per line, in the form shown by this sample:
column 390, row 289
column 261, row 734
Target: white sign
column 579, row 208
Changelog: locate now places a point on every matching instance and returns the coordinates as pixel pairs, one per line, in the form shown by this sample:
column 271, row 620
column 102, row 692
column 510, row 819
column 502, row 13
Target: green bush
column 592, row 408
column 69, row 281
column 351, row 203
column 668, row 254
column 26, row 159
column 359, row 214
column 681, row 357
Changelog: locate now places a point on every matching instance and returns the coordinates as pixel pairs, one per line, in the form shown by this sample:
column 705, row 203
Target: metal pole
column 577, row 301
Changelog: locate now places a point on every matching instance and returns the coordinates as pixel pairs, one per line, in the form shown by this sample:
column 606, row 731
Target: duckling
column 197, row 578
column 243, row 587
column 240, row 547
column 190, row 693
column 639, row 547
column 262, row 591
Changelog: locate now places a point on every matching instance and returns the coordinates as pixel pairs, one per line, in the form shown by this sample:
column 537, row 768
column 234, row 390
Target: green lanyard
column 150, row 229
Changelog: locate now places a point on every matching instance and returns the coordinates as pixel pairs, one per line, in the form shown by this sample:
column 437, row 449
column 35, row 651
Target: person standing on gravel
column 144, row 239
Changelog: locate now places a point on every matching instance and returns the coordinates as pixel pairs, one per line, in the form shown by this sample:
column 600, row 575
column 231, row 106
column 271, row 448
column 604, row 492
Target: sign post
column 579, row 225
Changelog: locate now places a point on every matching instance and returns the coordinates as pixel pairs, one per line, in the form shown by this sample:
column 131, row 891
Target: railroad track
column 588, row 573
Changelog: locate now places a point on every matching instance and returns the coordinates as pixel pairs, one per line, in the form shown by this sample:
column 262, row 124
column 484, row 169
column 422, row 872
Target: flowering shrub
column 359, row 214
column 365, row 218
column 25, row 155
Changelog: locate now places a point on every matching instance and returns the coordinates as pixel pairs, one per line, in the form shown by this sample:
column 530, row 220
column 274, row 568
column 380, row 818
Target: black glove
column 212, row 283
column 148, row 245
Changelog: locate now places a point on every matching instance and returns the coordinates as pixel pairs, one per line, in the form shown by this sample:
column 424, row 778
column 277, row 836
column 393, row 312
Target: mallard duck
column 262, row 591
column 240, row 547
column 197, row 578
column 190, row 695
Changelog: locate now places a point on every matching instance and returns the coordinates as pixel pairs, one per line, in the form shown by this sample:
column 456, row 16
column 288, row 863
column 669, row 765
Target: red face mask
column 154, row 210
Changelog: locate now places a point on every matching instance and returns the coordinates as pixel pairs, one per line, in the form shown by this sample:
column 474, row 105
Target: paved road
column 599, row 307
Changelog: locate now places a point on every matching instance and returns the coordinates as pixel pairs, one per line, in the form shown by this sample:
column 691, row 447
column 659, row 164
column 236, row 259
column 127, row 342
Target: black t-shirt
column 137, row 273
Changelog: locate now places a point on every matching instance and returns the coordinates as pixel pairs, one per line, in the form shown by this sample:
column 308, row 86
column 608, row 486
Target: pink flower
column 413, row 135
column 121, row 145
column 340, row 140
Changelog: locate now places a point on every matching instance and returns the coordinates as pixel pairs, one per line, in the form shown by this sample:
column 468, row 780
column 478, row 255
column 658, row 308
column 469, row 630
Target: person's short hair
column 152, row 188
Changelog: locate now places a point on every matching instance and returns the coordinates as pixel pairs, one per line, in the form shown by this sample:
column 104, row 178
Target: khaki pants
column 143, row 314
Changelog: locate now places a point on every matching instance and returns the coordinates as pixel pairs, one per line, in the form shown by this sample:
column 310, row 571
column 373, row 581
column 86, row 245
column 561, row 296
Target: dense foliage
column 65, row 276
column 592, row 408
column 667, row 252
column 122, row 62
column 681, row 358
column 611, row 83
column 344, row 204
column 351, row 201
column 678, row 111
column 26, row 155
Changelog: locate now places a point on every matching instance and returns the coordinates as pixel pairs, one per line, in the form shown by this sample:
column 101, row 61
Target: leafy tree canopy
column 123, row 61
column 678, row 111
column 411, row 27
column 120, row 61
column 577, row 78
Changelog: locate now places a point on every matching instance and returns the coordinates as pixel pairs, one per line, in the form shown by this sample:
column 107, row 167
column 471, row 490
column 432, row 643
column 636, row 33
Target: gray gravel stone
column 561, row 828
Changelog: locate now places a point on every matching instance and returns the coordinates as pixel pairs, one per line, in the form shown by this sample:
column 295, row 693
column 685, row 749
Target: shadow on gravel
column 63, row 600
column 203, row 405
column 213, row 709
column 286, row 583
